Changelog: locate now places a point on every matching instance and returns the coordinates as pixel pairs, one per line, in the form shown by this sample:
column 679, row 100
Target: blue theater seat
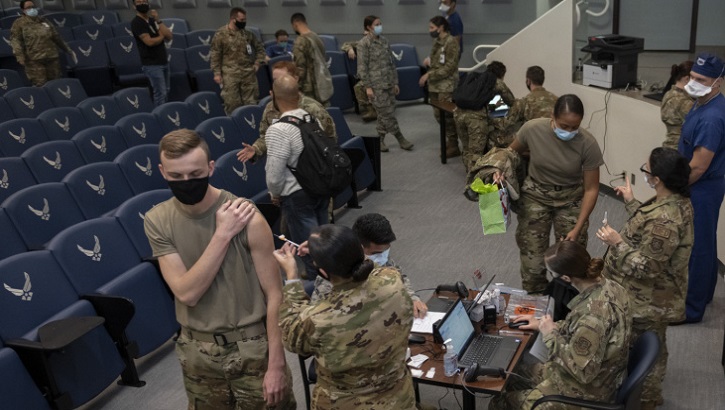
column 65, row 92
column 100, row 143
column 140, row 166
column 62, row 123
column 51, row 161
column 221, row 134
column 141, row 128
column 133, row 100
column 98, row 188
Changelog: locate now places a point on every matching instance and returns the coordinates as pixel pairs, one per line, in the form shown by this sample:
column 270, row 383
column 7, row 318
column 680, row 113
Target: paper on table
column 425, row 324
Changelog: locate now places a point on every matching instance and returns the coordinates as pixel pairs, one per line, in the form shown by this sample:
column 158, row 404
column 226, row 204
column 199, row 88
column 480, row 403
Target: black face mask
column 434, row 33
column 240, row 24
column 191, row 191
column 142, row 8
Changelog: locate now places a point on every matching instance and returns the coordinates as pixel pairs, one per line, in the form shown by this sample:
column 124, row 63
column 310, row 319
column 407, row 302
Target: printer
column 613, row 62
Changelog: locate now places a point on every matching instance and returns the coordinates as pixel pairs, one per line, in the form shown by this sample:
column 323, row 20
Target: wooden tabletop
column 448, row 106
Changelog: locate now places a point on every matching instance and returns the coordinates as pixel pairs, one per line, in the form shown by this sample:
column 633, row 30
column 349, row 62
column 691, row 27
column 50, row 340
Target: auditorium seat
column 51, row 161
column 141, row 128
column 100, row 143
column 140, row 166
column 221, row 134
column 65, row 92
column 98, row 188
column 133, row 100
column 62, row 123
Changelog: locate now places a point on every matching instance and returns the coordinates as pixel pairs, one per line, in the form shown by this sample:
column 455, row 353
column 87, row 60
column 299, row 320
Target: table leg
column 469, row 400
column 443, row 134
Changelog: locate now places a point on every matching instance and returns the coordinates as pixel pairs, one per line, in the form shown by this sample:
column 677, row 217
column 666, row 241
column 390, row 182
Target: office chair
column 642, row 358
column 309, row 376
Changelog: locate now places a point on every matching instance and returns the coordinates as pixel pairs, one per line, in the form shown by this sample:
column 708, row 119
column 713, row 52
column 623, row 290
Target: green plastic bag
column 493, row 204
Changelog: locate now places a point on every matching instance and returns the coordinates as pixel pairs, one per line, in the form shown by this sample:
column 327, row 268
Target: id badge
column 442, row 60
column 249, row 49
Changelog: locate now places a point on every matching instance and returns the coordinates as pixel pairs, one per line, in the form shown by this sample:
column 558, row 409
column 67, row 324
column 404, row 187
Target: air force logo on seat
column 100, row 188
column 95, row 253
column 44, row 213
column 24, row 293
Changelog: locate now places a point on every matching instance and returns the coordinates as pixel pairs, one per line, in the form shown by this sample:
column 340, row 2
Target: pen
column 604, row 221
column 282, row 238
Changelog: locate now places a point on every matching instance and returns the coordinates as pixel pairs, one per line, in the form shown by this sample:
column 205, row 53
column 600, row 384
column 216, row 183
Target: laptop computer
column 486, row 350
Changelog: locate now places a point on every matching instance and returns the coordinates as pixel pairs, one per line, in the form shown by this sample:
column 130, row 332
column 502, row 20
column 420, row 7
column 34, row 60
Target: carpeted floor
column 440, row 241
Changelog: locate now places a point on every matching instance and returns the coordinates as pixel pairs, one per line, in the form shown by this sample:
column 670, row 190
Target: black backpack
column 475, row 91
column 323, row 169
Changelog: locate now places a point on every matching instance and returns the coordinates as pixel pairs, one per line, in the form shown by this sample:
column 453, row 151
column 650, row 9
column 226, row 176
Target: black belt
column 221, row 339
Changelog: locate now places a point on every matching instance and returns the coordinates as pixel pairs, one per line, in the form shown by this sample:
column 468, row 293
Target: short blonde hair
column 178, row 143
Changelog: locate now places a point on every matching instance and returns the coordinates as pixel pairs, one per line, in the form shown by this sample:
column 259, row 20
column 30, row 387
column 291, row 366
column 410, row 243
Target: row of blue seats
column 63, row 123
column 91, row 273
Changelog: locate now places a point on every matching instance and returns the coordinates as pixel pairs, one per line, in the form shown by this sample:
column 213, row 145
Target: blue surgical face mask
column 563, row 134
column 381, row 258
column 378, row 30
column 31, row 12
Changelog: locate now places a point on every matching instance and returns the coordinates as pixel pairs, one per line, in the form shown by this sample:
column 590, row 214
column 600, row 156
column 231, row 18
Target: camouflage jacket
column 375, row 65
column 235, row 52
column 271, row 114
column 537, row 104
column 588, row 350
column 35, row 38
column 303, row 56
column 359, row 336
column 323, row 287
column 506, row 161
column 675, row 106
column 651, row 261
column 349, row 45
column 443, row 71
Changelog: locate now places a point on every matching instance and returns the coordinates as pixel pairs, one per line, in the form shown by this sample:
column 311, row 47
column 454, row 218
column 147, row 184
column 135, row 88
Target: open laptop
column 486, row 350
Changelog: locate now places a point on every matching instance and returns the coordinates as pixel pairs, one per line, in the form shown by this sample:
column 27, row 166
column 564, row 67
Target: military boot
column 404, row 143
column 452, row 149
column 383, row 147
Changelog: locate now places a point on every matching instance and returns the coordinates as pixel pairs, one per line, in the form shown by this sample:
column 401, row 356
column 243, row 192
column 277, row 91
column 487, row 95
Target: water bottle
column 450, row 360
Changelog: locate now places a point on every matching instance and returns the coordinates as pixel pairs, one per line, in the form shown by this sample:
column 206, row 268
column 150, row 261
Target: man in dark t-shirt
column 150, row 33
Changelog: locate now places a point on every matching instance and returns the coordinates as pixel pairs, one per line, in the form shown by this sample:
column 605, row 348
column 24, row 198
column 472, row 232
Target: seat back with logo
column 14, row 176
column 336, row 62
column 177, row 25
column 221, row 134
column 100, row 110
column 51, row 161
column 62, row 123
column 37, row 293
column 28, row 102
column 140, row 166
column 141, row 128
column 177, row 41
column 94, row 69
column 131, row 215
column 9, row 80
column 20, row 134
column 93, row 32
column 100, row 17
column 98, row 188
column 126, row 60
column 248, row 118
column 198, row 58
column 404, row 55
column 65, row 92
column 64, row 19
column 199, row 37
column 132, row 100
column 122, row 29
column 100, row 143
column 330, row 42
column 206, row 104
column 13, row 244
column 42, row 211
column 244, row 179
column 180, row 84
column 175, row 115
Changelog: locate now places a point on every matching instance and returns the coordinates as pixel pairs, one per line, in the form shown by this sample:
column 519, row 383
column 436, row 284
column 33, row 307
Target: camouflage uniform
column 234, row 54
column 475, row 127
column 323, row 287
column 35, row 43
column 303, row 55
column 367, row 111
column 537, row 104
column 271, row 114
column 376, row 70
column 500, row 137
column 651, row 263
column 588, row 352
column 675, row 106
column 443, row 79
column 551, row 194
column 359, row 336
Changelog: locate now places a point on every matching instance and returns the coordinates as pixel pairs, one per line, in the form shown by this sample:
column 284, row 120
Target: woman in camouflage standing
column 676, row 104
column 442, row 76
column 377, row 74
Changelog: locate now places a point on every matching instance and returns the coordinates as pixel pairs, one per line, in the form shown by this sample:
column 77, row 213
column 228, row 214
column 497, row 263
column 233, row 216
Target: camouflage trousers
column 652, row 390
column 239, row 90
column 40, row 72
column 367, row 111
column 672, row 139
column 473, row 128
column 451, row 136
column 229, row 376
column 521, row 392
column 384, row 103
column 541, row 207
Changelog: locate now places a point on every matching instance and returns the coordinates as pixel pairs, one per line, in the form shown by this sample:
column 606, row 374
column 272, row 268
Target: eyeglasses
column 644, row 170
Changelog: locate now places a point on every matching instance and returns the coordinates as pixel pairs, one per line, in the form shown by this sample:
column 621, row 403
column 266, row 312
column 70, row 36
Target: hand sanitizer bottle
column 450, row 359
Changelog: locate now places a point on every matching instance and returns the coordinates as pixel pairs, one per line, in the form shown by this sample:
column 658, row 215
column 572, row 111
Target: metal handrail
column 478, row 63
